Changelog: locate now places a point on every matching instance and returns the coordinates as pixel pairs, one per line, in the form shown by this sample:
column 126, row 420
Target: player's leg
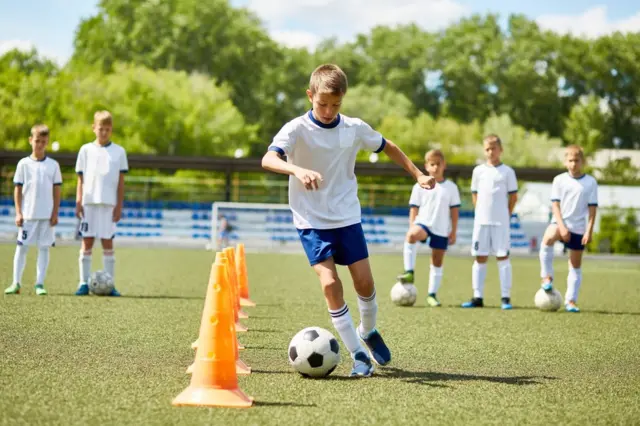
column 25, row 238
column 550, row 237
column 435, row 275
column 480, row 249
column 574, row 278
column 501, row 245
column 106, row 232
column 87, row 230
column 410, row 252
column 46, row 240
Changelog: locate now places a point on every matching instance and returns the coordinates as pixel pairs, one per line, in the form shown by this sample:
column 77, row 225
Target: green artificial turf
column 92, row 360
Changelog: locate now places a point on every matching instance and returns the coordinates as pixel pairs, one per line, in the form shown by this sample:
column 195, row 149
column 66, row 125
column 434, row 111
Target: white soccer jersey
column 493, row 186
column 575, row 196
column 37, row 179
column 435, row 206
column 331, row 151
column 100, row 167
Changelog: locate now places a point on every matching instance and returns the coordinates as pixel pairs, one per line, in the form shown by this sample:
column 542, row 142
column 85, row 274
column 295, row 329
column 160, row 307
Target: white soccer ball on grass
column 404, row 294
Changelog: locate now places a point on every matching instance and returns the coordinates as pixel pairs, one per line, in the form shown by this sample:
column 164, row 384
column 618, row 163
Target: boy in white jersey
column 100, row 167
column 433, row 215
column 574, row 196
column 37, row 201
column 494, row 191
column 321, row 148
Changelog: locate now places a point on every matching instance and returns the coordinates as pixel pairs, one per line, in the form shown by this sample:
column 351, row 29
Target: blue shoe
column 83, row 290
column 547, row 285
column 362, row 366
column 114, row 293
column 476, row 302
column 378, row 349
column 571, row 307
column 506, row 304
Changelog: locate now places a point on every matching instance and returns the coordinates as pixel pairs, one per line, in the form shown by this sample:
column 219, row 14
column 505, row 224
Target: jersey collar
column 102, row 146
column 35, row 159
column 331, row 125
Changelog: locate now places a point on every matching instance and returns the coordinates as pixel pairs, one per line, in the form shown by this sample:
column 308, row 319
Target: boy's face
column 573, row 162
column 492, row 152
column 326, row 106
column 39, row 144
column 435, row 167
column 102, row 132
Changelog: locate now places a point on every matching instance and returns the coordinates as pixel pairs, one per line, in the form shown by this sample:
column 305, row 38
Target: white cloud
column 26, row 46
column 591, row 23
column 309, row 21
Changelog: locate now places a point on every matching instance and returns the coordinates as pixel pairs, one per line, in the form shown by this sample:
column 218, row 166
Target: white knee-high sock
column 19, row 262
column 435, row 278
column 341, row 319
column 479, row 274
column 43, row 264
column 410, row 253
column 85, row 266
column 368, row 307
column 505, row 273
column 574, row 280
column 109, row 262
column 546, row 261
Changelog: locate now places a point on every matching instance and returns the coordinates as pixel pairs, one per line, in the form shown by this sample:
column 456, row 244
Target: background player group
column 100, row 167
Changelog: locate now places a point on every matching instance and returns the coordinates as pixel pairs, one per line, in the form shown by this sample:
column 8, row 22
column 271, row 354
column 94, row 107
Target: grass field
column 77, row 361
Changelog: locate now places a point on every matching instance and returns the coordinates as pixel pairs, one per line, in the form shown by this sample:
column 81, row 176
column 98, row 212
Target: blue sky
column 49, row 25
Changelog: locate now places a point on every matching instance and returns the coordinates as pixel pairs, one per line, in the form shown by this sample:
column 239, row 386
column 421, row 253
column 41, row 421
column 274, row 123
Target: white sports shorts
column 37, row 232
column 98, row 222
column 491, row 240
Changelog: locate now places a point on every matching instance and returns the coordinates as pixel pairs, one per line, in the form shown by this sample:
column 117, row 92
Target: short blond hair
column 328, row 78
column 39, row 130
column 434, row 153
column 493, row 138
column 103, row 117
column 571, row 149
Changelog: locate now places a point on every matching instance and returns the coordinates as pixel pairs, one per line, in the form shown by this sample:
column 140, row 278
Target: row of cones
column 214, row 373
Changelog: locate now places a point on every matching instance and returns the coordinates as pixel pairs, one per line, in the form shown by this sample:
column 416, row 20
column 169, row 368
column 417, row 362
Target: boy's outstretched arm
column 586, row 239
column 273, row 162
column 403, row 161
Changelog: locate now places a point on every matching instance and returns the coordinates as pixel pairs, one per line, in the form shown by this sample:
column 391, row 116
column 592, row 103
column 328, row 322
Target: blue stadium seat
column 5, row 212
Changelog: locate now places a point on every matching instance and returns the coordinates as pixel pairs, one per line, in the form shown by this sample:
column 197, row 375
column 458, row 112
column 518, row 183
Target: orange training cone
column 243, row 279
column 228, row 253
column 214, row 382
column 231, row 255
column 239, row 327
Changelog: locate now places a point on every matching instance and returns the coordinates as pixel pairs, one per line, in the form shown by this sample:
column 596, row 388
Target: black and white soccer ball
column 314, row 352
column 404, row 294
column 548, row 301
column 101, row 283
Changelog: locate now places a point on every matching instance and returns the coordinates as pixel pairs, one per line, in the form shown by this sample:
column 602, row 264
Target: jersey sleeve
column 18, row 177
column 57, row 177
column 512, row 182
column 416, row 199
column 555, row 191
column 284, row 142
column 474, row 181
column 81, row 162
column 455, row 196
column 593, row 195
column 124, row 162
column 371, row 140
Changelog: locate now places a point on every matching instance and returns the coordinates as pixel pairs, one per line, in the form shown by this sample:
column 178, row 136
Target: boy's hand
column 79, row 211
column 452, row 238
column 426, row 182
column 54, row 220
column 564, row 234
column 586, row 238
column 309, row 178
column 117, row 214
column 19, row 219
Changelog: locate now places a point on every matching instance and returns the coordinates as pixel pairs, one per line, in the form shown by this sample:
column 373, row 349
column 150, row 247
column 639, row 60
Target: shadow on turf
column 281, row 404
column 291, row 372
column 428, row 377
column 533, row 308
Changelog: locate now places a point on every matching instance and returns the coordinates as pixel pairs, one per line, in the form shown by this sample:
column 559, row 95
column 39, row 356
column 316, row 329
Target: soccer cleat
column 433, row 301
column 571, row 307
column 40, row 290
column 114, row 293
column 377, row 348
column 506, row 304
column 83, row 290
column 13, row 289
column 406, row 278
column 547, row 285
column 476, row 302
column 362, row 366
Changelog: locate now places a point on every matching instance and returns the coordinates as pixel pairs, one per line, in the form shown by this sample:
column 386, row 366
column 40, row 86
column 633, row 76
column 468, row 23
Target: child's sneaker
column 476, row 302
column 362, row 366
column 506, row 304
column 547, row 285
column 83, row 290
column 571, row 307
column 406, row 278
column 433, row 301
column 40, row 290
column 114, row 293
column 379, row 350
column 13, row 289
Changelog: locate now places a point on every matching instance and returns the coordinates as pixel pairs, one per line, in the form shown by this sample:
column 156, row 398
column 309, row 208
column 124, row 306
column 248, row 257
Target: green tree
column 587, row 125
column 373, row 103
column 620, row 171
